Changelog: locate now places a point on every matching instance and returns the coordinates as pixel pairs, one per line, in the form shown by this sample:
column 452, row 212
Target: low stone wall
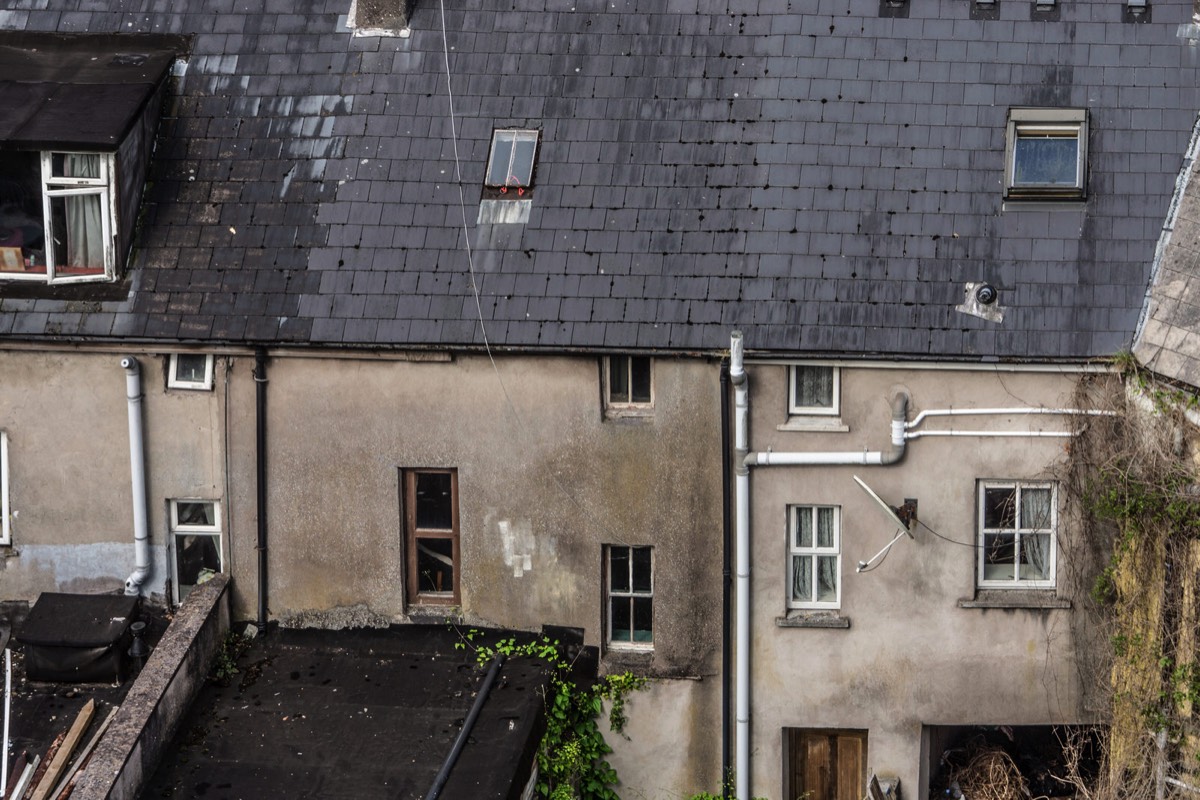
column 149, row 718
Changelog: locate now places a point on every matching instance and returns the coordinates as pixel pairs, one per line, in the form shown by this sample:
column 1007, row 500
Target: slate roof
column 823, row 177
column 1167, row 342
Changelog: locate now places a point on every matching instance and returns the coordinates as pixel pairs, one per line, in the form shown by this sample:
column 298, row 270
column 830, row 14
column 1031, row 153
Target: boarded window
column 825, row 764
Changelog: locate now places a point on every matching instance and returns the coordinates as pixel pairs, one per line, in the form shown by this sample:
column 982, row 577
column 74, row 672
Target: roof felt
column 824, row 178
column 357, row 713
column 81, row 92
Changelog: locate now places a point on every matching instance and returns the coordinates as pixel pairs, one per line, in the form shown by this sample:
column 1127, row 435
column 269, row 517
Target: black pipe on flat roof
column 485, row 689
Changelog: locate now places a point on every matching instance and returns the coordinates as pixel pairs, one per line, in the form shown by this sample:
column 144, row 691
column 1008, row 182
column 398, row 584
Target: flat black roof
column 362, row 714
column 72, row 91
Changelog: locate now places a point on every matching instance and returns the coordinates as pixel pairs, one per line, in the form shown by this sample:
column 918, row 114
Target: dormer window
column 75, row 145
column 56, row 216
column 510, row 167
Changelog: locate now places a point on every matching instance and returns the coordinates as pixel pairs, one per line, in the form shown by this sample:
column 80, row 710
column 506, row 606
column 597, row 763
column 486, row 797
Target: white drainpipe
column 137, row 467
column 744, row 459
column 741, row 437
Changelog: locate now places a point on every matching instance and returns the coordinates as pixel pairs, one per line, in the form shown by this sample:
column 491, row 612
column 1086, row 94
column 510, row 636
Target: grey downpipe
column 439, row 781
column 260, row 474
column 137, row 468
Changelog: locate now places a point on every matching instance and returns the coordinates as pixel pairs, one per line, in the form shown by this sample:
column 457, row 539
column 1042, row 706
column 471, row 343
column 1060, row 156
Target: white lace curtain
column 85, row 231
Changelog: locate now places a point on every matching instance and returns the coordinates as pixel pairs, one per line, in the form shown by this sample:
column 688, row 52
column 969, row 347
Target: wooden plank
column 851, row 767
column 55, row 770
column 83, row 754
column 22, row 785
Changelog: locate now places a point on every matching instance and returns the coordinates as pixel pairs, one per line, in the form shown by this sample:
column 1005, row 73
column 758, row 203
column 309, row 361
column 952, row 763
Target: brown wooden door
column 825, row 765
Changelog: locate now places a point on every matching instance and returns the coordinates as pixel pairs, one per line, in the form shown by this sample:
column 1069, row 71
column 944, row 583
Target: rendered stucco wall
column 911, row 655
column 541, row 491
column 66, row 417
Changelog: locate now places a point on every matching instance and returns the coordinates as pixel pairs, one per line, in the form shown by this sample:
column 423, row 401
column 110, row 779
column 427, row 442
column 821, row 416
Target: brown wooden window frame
column 412, row 533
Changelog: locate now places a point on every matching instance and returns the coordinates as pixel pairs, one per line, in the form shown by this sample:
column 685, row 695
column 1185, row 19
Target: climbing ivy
column 572, row 756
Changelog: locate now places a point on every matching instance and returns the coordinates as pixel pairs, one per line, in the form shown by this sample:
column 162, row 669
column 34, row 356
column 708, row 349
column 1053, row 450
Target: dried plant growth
column 1131, row 484
column 987, row 772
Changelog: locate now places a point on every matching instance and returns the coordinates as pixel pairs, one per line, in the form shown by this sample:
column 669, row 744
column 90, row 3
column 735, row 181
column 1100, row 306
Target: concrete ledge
column 1033, row 599
column 148, row 719
column 813, row 619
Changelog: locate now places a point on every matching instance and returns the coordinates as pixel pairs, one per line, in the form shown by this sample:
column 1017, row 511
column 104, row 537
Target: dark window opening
column 430, row 513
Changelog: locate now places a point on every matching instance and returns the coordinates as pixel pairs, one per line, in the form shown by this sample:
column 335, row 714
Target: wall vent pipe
column 137, row 468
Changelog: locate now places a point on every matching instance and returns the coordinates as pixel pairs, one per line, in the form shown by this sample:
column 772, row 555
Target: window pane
column 639, row 366
column 1045, row 159
column 814, row 387
column 642, row 576
column 435, row 565
column 1035, row 508
column 435, row 504
column 802, row 579
column 619, row 569
column 75, row 165
column 827, row 579
column 618, row 379
column 196, row 513
column 78, row 244
column 22, row 237
column 1035, row 556
column 999, row 554
column 196, row 557
column 804, row 526
column 824, row 527
column 1000, row 508
column 621, row 620
column 502, row 145
column 521, row 172
column 191, row 368
column 643, row 619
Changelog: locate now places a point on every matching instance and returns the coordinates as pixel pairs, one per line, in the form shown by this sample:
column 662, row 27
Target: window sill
column 807, row 424
column 1044, row 204
column 619, row 656
column 1015, row 598
column 800, row 618
column 643, row 414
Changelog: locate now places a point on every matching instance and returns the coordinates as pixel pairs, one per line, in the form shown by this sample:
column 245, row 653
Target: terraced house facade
column 425, row 312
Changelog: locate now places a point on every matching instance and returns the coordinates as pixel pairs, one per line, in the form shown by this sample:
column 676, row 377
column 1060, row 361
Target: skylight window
column 510, row 167
column 1046, row 156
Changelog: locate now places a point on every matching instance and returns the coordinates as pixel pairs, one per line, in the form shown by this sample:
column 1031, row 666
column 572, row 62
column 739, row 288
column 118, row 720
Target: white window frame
column 1017, row 531
column 1065, row 122
column 630, row 594
column 54, row 187
column 516, row 135
column 813, row 553
column 5, row 528
column 186, row 529
column 831, row 410
column 175, row 382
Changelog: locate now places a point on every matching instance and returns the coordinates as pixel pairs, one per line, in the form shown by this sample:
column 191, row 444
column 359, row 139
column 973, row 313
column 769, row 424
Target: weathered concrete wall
column 911, row 656
column 66, row 417
column 150, row 714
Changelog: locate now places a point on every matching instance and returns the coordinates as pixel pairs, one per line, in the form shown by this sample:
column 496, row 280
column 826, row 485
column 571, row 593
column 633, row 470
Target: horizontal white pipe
column 1008, row 434
column 981, row 412
column 941, row 366
column 810, row 459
